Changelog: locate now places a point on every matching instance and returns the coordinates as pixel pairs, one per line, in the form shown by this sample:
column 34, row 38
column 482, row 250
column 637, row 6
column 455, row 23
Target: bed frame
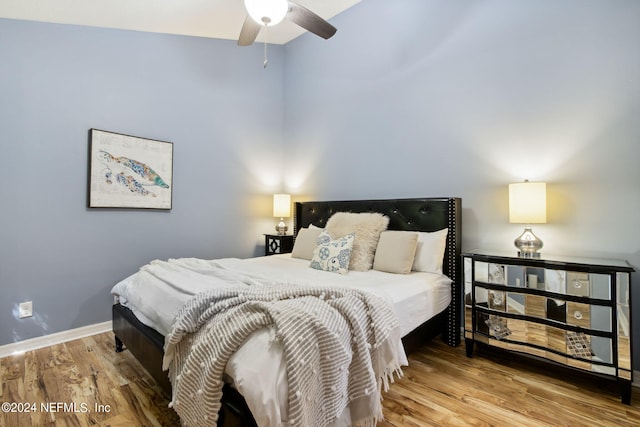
column 424, row 214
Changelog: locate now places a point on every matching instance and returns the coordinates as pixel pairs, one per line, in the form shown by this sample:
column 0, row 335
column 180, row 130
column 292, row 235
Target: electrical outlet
column 25, row 309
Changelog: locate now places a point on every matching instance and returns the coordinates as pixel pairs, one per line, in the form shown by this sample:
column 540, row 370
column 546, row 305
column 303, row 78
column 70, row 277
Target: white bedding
column 159, row 289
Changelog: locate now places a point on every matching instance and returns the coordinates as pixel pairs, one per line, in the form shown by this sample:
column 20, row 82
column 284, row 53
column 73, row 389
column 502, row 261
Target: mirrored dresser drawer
column 571, row 311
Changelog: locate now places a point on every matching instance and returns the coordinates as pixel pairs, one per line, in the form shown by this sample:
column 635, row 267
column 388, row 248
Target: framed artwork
column 129, row 172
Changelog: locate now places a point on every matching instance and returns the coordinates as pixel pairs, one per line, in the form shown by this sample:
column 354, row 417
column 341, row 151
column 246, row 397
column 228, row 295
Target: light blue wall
column 460, row 98
column 213, row 100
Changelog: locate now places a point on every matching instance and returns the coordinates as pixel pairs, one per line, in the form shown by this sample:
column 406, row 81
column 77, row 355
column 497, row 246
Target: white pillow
column 430, row 251
column 332, row 255
column 366, row 227
column 306, row 242
column 395, row 251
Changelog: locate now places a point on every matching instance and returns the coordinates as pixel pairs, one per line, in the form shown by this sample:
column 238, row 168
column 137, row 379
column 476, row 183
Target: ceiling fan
column 267, row 13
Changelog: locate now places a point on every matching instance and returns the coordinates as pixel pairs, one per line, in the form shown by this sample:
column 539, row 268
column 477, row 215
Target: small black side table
column 278, row 244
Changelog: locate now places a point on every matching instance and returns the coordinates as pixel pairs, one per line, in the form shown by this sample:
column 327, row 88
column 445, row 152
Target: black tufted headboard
column 426, row 214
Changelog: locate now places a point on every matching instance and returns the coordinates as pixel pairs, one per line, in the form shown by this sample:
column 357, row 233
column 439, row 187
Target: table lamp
column 528, row 205
column 281, row 209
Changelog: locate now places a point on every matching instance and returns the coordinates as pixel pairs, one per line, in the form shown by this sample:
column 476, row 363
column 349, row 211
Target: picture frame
column 129, row 172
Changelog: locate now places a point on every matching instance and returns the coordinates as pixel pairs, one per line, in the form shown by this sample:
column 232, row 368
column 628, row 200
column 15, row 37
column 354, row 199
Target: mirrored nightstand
column 572, row 311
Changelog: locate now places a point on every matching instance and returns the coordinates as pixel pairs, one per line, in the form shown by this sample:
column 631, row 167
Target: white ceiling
column 221, row 19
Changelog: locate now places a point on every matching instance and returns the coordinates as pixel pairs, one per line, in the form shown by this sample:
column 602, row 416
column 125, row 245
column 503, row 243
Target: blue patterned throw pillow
column 333, row 255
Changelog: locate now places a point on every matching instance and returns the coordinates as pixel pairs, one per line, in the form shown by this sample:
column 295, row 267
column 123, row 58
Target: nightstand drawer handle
column 577, row 314
column 577, row 284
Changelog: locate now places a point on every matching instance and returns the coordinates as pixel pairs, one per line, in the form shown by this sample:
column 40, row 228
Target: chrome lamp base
column 281, row 228
column 528, row 244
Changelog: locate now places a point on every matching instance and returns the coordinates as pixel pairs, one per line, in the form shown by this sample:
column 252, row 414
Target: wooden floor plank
column 441, row 387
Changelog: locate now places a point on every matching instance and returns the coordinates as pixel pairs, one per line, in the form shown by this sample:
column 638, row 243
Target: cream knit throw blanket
column 340, row 348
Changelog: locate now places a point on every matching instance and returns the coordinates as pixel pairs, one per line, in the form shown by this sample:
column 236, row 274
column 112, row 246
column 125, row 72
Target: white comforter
column 159, row 289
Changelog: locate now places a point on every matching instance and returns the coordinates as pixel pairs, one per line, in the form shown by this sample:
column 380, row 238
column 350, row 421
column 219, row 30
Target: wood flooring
column 85, row 383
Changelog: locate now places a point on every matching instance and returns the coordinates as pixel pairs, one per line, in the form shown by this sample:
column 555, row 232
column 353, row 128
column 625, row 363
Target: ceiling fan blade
column 249, row 32
column 308, row 20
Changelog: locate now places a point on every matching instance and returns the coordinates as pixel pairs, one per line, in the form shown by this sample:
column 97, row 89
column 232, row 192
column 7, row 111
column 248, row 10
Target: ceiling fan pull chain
column 266, row 61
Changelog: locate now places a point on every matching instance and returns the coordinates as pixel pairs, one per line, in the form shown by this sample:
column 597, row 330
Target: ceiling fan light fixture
column 267, row 12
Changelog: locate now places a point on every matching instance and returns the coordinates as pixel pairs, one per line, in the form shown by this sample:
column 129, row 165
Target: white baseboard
column 52, row 339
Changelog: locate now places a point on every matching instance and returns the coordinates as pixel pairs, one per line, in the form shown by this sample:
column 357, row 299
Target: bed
column 423, row 214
